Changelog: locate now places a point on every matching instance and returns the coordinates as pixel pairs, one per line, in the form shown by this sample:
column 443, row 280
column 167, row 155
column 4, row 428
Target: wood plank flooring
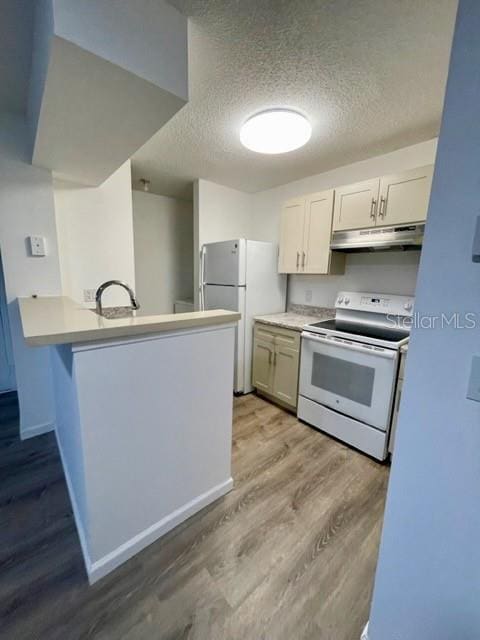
column 288, row 554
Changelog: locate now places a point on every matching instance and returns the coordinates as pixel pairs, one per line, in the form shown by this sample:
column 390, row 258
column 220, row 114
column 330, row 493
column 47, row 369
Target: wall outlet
column 308, row 295
column 37, row 246
column 89, row 295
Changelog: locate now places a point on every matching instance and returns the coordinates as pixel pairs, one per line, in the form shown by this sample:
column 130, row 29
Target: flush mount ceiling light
column 275, row 131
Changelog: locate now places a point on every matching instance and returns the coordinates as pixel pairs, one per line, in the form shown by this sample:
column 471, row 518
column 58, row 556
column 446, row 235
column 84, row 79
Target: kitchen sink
column 116, row 313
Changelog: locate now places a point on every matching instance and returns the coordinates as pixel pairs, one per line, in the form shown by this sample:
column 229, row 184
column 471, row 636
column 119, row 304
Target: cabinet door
column 317, row 232
column 404, row 196
column 355, row 205
column 263, row 353
column 291, row 236
column 285, row 377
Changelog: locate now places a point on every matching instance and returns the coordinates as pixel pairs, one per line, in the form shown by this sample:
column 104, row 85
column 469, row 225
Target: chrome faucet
column 109, row 283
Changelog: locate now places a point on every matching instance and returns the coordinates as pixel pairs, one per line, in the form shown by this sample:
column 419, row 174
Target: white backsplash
column 382, row 272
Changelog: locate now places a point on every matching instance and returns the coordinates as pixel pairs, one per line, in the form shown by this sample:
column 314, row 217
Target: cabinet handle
column 303, row 259
column 274, row 358
column 269, row 356
column 298, row 259
column 372, row 208
column 382, row 211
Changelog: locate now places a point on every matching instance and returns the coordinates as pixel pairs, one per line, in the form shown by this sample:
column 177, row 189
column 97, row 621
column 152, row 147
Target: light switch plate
column 37, row 246
column 473, row 392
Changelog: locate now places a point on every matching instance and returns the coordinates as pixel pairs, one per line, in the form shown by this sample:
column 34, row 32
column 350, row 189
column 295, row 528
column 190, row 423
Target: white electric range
column 349, row 368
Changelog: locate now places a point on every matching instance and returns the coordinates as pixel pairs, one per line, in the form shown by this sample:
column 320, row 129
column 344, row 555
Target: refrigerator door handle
column 202, row 279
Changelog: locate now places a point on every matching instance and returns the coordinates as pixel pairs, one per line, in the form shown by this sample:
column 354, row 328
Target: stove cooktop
column 375, row 333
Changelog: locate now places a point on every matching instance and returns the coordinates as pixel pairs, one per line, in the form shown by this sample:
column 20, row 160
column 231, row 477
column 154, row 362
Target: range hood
column 379, row 239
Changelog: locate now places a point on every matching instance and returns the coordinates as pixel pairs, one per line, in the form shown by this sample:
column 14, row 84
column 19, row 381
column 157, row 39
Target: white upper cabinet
column 306, row 223
column 355, row 205
column 305, row 234
column 317, row 232
column 291, row 236
column 397, row 199
column 404, row 197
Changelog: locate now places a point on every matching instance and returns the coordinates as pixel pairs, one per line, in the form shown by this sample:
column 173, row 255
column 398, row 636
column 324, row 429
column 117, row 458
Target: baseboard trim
column 36, row 430
column 8, row 393
column 121, row 554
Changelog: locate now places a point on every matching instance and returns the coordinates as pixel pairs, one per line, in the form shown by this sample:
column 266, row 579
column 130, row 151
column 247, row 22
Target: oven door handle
column 338, row 342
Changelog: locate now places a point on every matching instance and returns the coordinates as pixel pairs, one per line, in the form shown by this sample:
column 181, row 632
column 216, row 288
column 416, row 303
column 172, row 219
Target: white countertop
column 296, row 321
column 60, row 320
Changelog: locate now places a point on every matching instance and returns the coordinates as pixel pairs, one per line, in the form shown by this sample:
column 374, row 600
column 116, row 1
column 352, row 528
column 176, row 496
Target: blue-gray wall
column 428, row 577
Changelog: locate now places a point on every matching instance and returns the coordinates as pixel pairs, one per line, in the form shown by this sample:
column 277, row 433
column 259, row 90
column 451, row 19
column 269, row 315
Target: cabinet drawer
column 278, row 335
column 263, row 332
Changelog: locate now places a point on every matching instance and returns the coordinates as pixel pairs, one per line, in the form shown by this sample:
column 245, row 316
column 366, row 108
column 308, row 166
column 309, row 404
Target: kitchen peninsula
column 144, row 419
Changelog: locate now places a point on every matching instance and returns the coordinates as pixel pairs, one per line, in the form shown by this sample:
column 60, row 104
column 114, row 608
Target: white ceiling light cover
column 275, row 131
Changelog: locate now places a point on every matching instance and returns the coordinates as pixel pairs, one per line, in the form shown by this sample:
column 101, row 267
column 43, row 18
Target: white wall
column 163, row 236
column 95, row 236
column 220, row 213
column 156, row 33
column 392, row 272
column 427, row 583
column 224, row 213
column 27, row 208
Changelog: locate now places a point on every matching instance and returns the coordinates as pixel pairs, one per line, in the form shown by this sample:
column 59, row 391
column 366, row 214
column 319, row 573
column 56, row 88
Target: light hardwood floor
column 288, row 554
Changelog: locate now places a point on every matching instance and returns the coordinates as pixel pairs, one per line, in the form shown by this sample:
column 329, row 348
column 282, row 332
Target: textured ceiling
column 370, row 75
column 16, row 23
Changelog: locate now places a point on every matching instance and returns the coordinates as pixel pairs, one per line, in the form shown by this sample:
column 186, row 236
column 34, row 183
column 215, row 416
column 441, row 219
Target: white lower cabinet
column 276, row 359
column 263, row 353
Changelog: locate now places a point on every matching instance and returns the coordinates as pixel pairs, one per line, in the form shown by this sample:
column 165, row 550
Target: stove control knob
column 408, row 306
column 340, row 300
column 347, row 300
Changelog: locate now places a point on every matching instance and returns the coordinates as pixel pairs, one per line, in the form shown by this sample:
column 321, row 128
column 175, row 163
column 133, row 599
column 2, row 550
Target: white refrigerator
column 242, row 275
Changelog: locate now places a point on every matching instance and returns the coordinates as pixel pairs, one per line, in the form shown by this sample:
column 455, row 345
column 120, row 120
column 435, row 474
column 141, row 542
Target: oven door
column 355, row 379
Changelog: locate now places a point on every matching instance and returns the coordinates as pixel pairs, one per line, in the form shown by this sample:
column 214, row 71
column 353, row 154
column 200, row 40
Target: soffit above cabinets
column 106, row 77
